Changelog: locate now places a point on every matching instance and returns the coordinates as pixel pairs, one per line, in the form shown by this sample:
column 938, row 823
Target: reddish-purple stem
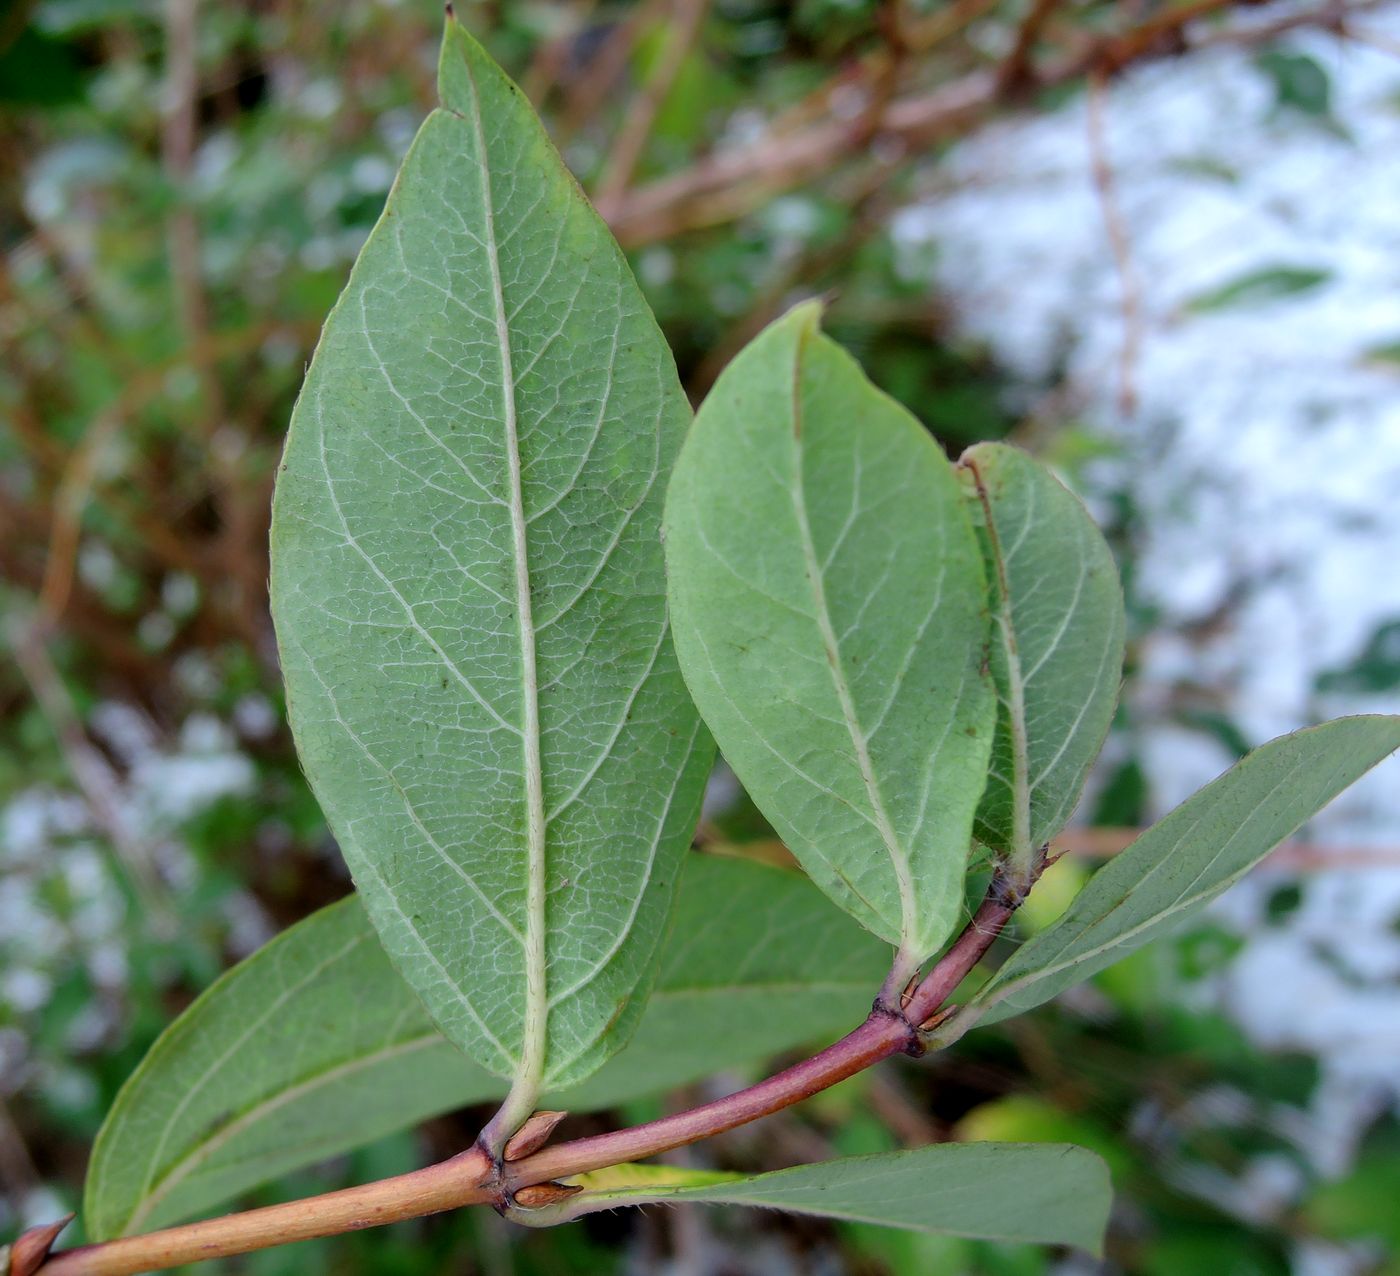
column 471, row 1178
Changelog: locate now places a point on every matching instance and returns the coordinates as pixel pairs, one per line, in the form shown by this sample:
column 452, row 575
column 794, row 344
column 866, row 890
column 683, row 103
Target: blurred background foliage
column 183, row 187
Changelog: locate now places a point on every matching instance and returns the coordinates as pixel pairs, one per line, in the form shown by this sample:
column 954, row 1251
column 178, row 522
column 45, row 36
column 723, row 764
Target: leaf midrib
column 535, row 1023
column 899, row 860
column 1015, row 685
column 1188, row 899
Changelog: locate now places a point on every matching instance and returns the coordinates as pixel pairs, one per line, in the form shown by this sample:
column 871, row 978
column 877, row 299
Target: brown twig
column 134, row 861
column 923, row 32
column 1015, row 71
column 550, row 57
column 587, row 95
column 177, row 144
column 859, row 196
column 733, row 182
column 637, row 124
column 240, row 530
column 1130, row 298
column 1299, row 857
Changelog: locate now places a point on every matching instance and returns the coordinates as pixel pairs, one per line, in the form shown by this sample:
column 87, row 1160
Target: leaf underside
column 469, row 594
column 314, row 1045
column 828, row 604
column 1040, row 1193
column 1057, row 644
column 1188, row 858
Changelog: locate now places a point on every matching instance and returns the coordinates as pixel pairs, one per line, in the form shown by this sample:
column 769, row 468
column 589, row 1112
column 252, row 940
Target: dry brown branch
column 1130, row 297
column 69, row 500
column 733, row 182
column 1291, row 857
column 134, row 860
column 240, row 527
column 550, row 57
column 1016, row 70
column 681, row 33
column 922, row 33
column 586, row 96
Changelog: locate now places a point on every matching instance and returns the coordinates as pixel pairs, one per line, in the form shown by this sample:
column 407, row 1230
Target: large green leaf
column 1057, row 644
column 314, row 1045
column 469, row 594
column 828, row 603
column 1183, row 862
column 1042, row 1193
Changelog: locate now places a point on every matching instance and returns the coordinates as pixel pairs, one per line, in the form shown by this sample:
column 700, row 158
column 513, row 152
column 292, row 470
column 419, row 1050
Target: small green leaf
column 1387, row 353
column 829, row 609
column 1272, row 283
column 1188, row 858
column 470, row 600
column 1375, row 671
column 1300, row 82
column 1036, row 1193
column 314, row 1045
column 1057, row 644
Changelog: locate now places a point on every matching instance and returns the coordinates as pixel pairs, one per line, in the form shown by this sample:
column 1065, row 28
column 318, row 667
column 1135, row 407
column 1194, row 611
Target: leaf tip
column 806, row 316
column 459, row 51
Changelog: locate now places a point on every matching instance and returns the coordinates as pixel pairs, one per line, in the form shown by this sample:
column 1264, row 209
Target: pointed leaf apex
column 805, row 317
column 459, row 59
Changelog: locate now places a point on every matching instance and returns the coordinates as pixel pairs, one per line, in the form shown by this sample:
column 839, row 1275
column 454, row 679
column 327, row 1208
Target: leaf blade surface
column 1041, row 1193
column 1057, row 644
column 1188, row 858
column 315, row 1045
column 469, row 593
column 827, row 599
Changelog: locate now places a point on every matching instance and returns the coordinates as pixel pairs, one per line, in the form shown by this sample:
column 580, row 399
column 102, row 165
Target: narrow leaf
column 1041, row 1193
column 1183, row 862
column 1270, row 283
column 1057, row 644
column 469, row 594
column 314, row 1045
column 828, row 602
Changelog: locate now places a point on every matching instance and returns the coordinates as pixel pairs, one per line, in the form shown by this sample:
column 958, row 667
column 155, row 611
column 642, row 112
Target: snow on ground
column 1263, row 457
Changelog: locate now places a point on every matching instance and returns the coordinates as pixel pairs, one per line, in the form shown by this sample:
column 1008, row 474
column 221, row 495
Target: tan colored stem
column 472, row 1179
column 460, row 1181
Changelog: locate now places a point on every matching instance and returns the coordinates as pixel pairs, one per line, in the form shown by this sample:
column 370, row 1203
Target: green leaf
column 1188, row 858
column 314, row 1045
column 1375, row 671
column 828, row 603
column 469, row 594
column 1300, row 82
column 1057, row 644
column 1040, row 1193
column 1272, row 283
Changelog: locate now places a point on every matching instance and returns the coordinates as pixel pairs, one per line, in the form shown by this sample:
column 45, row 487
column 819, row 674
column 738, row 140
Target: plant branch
column 1117, row 229
column 1016, row 71
column 735, row 181
column 472, row 1178
column 637, row 124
